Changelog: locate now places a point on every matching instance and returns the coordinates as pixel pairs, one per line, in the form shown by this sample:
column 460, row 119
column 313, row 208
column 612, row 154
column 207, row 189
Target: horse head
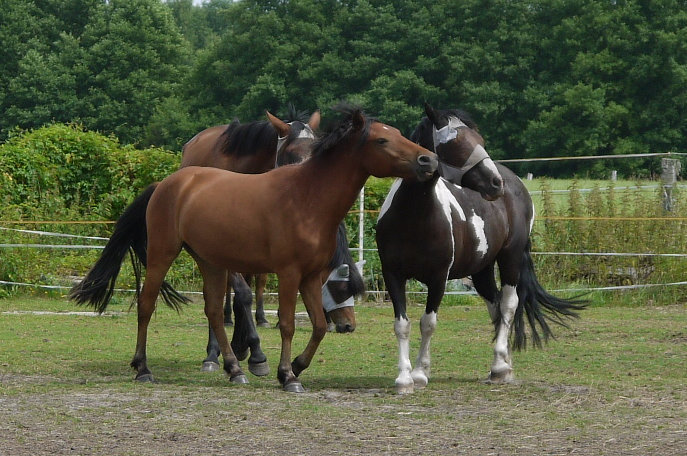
column 462, row 157
column 295, row 138
column 386, row 152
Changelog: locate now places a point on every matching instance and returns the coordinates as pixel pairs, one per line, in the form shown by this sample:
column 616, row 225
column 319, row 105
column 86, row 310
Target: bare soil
column 453, row 416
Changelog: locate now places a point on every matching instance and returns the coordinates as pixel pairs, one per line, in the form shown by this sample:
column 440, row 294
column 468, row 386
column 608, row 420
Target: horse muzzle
column 426, row 166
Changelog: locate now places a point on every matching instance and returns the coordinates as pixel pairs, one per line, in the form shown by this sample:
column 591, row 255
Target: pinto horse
column 253, row 148
column 282, row 221
column 470, row 216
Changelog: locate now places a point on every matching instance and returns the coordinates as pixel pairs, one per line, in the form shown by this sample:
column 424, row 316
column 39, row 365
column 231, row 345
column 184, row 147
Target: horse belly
column 227, row 226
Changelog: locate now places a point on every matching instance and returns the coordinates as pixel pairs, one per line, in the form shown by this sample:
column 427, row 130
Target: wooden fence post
column 670, row 168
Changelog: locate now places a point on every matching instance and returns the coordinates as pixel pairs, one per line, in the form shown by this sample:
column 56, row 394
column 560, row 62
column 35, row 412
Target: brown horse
column 283, row 221
column 253, row 148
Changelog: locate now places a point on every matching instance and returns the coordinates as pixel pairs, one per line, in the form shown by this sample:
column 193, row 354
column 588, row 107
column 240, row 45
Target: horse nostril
column 424, row 160
column 347, row 328
column 497, row 182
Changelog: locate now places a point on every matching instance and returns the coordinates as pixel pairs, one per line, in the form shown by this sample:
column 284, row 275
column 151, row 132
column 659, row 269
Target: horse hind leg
column 246, row 336
column 502, row 365
column 158, row 265
column 260, row 283
column 214, row 289
column 502, row 306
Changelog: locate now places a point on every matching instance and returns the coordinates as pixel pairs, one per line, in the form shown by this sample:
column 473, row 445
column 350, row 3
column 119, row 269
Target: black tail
column 540, row 306
column 343, row 255
column 130, row 235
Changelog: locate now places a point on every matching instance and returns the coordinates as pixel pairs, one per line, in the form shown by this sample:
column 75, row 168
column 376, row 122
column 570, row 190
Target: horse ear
column 431, row 113
column 314, row 121
column 358, row 119
column 283, row 129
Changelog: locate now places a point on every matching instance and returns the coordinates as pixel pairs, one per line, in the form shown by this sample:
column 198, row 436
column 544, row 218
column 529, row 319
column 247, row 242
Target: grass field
column 612, row 384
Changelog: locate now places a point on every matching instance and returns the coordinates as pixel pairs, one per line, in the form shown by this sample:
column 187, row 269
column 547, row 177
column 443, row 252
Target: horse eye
column 382, row 141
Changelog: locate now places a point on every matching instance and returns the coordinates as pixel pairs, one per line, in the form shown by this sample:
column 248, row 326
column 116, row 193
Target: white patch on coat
column 534, row 213
column 447, row 199
column 478, row 227
column 389, row 198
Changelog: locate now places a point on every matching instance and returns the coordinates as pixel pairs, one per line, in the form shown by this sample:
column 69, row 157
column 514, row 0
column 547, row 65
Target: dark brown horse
column 283, row 221
column 471, row 216
column 254, row 148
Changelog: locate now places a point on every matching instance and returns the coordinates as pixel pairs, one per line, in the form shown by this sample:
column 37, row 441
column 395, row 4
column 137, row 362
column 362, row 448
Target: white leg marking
column 502, row 366
column 478, row 227
column 404, row 382
column 420, row 374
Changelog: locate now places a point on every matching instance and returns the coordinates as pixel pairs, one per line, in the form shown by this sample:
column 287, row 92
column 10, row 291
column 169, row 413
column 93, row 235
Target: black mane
column 341, row 129
column 245, row 139
column 422, row 134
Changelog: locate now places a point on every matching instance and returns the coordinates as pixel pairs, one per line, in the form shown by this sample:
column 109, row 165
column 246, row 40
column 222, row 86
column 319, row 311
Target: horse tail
column 129, row 236
column 342, row 255
column 539, row 306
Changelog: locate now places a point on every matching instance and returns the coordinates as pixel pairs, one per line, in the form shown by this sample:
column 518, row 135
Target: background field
column 612, row 384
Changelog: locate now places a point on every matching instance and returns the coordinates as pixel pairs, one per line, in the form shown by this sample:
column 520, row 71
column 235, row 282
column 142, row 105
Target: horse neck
column 334, row 182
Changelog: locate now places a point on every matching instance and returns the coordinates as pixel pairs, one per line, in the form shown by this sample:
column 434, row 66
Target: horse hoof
column 145, row 378
column 259, row 369
column 420, row 380
column 505, row 376
column 264, row 324
column 294, row 387
column 209, row 366
column 405, row 389
column 239, row 379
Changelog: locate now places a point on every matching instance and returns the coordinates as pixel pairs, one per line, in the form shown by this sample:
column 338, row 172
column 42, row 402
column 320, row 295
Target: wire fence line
column 373, row 292
column 361, row 211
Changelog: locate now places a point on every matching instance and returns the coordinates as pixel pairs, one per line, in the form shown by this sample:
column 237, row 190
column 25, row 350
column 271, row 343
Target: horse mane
column 340, row 130
column 422, row 134
column 246, row 139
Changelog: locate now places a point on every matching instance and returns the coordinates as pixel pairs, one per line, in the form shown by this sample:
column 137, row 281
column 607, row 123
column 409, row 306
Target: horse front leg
column 311, row 292
column 502, row 365
column 397, row 292
column 428, row 324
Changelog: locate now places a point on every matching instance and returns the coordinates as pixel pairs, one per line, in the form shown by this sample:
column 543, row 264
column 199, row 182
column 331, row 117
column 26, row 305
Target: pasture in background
column 78, row 182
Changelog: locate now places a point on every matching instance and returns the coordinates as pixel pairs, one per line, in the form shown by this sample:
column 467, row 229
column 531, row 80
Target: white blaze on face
column 532, row 220
column 477, row 224
column 489, row 163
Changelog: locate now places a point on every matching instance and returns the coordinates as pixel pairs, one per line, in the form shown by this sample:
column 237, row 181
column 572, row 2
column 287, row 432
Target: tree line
column 547, row 78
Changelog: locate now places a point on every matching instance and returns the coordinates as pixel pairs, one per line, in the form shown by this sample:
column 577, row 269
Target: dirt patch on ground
column 449, row 418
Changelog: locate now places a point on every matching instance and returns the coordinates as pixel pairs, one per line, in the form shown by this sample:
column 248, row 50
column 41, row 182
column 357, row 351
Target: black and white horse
column 472, row 215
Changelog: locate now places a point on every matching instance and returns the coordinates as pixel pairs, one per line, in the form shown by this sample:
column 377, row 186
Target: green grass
column 613, row 383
